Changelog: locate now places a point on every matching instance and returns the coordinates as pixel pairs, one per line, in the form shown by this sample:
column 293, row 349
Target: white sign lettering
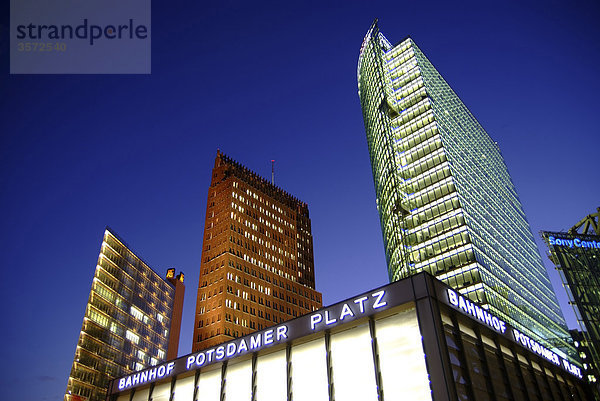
column 544, row 352
column 349, row 309
column 238, row 347
column 147, row 375
column 484, row 316
column 476, row 311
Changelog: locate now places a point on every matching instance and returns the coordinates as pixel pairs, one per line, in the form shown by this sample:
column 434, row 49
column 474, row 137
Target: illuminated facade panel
column 271, row 378
column 446, row 201
column 352, row 365
column 415, row 339
column 309, row 376
column 238, row 381
column 257, row 264
column 400, row 357
column 184, row 389
column 209, row 386
column 131, row 321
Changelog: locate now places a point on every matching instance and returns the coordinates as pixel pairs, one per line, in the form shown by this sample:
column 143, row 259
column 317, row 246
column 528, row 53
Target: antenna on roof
column 273, row 172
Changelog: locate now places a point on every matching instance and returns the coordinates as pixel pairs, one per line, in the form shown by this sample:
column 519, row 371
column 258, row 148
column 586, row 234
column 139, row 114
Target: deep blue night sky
column 265, row 81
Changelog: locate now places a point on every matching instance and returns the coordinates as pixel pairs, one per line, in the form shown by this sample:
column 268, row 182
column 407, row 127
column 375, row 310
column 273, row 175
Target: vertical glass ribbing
column 446, row 201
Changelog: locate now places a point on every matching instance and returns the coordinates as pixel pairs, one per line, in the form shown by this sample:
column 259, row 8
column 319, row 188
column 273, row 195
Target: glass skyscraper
column 132, row 321
column 446, row 201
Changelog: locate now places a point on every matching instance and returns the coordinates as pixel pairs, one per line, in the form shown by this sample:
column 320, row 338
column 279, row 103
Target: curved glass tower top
column 446, row 201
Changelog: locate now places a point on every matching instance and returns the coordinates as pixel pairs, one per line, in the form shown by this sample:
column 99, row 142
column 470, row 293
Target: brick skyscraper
column 257, row 264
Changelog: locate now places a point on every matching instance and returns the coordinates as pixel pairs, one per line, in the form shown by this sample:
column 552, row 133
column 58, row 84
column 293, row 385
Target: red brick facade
column 257, row 264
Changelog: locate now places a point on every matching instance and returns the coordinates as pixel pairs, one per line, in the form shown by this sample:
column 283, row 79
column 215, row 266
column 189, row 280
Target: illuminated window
column 134, row 338
column 135, row 312
column 98, row 318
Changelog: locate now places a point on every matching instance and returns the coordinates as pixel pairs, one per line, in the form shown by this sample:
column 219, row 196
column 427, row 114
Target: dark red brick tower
column 257, row 264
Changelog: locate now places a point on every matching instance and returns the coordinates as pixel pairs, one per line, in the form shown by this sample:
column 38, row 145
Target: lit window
column 135, row 312
column 134, row 338
column 98, row 318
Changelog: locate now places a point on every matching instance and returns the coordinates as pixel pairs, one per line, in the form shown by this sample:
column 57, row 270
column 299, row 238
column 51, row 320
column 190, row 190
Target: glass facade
column 126, row 323
column 485, row 367
column 576, row 256
column 446, row 201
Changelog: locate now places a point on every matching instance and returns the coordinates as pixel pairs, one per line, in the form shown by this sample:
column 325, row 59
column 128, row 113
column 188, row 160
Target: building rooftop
column 252, row 178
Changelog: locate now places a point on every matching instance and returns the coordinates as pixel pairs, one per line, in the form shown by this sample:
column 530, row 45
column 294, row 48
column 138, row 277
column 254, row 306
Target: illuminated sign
column 492, row 321
column 238, row 347
column 544, row 352
column 231, row 349
column 367, row 304
column 335, row 314
column 574, row 242
column 148, row 375
column 352, row 309
column 476, row 311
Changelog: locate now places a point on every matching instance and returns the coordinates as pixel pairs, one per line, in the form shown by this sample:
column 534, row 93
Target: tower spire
column 273, row 172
